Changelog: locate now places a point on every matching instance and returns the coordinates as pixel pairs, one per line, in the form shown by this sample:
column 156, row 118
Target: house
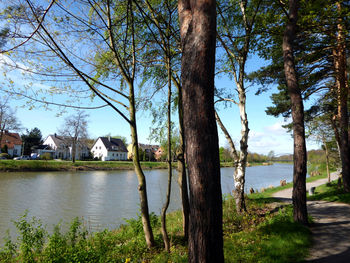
column 158, row 154
column 62, row 147
column 13, row 143
column 42, row 149
column 148, row 149
column 108, row 149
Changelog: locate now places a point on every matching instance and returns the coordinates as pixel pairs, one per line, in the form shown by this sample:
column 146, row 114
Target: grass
column 261, row 235
column 52, row 165
column 39, row 165
column 331, row 192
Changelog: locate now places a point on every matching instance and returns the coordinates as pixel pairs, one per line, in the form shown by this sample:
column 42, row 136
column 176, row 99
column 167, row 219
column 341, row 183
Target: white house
column 107, row 149
column 62, row 146
column 13, row 143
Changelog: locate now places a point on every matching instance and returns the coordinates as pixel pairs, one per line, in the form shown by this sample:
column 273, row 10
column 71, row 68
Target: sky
column 266, row 132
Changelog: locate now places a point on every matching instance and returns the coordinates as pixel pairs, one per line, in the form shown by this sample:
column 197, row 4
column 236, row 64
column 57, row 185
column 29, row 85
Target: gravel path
column 331, row 231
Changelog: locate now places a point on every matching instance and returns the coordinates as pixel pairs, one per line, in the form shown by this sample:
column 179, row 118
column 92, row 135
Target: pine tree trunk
column 299, row 171
column 339, row 57
column 139, row 173
column 198, row 37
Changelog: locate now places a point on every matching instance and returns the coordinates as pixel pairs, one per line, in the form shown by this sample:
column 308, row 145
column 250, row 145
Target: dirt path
column 331, row 231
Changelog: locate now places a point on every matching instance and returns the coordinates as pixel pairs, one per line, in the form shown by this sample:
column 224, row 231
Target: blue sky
column 266, row 132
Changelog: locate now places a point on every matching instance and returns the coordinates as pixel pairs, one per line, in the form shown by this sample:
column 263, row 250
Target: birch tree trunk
column 198, row 35
column 299, row 170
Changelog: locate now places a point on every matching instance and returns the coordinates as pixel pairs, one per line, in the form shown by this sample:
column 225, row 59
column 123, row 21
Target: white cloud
column 273, row 138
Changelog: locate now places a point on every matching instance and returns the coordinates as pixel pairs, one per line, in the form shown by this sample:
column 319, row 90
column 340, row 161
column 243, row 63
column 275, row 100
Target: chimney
column 55, row 135
column 109, row 138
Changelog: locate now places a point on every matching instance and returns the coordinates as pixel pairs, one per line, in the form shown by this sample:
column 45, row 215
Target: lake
column 103, row 198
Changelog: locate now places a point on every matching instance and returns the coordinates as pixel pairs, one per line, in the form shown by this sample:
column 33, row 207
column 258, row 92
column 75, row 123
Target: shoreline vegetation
column 58, row 165
column 266, row 233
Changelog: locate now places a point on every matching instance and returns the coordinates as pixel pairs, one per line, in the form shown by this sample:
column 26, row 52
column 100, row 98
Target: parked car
column 3, row 158
column 23, row 157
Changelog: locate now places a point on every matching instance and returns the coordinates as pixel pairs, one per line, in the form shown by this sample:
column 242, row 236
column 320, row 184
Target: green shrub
column 46, row 156
column 6, row 155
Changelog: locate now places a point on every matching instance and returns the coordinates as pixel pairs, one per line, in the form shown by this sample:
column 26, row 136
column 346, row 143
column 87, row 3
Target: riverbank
column 55, row 165
column 261, row 235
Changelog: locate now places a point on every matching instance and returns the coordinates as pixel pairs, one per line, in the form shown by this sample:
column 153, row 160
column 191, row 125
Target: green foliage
column 277, row 239
column 6, row 155
column 225, row 155
column 261, row 235
column 46, row 156
column 4, row 149
column 32, row 138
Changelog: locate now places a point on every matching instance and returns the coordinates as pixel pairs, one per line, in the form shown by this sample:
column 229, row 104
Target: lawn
column 331, row 192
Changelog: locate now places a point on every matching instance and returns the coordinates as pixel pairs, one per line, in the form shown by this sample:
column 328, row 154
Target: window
column 15, row 151
column 112, row 154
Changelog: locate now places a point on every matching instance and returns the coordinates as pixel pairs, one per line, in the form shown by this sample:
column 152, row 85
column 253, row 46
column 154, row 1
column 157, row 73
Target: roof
column 65, row 140
column 10, row 139
column 144, row 147
column 114, row 145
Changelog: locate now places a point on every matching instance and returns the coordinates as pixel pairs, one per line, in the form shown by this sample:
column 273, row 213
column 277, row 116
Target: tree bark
column 339, row 57
column 327, row 160
column 139, row 173
column 74, row 149
column 198, row 35
column 170, row 173
column 181, row 167
column 299, row 170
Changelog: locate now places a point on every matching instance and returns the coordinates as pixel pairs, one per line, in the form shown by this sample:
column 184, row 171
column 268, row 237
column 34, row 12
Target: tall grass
column 261, row 235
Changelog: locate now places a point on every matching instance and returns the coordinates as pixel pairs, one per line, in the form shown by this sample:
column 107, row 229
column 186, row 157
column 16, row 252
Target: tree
column 236, row 36
column 75, row 130
column 271, row 155
column 342, row 87
column 97, row 45
column 164, row 49
column 198, row 37
column 299, row 169
column 8, row 119
column 321, row 62
column 32, row 138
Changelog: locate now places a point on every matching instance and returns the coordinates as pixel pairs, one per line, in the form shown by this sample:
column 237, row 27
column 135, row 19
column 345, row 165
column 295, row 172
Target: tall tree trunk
column 170, row 173
column 74, row 149
column 139, row 173
column 181, row 167
column 241, row 167
column 327, row 160
column 339, row 57
column 336, row 134
column 198, row 35
column 239, row 163
column 299, row 171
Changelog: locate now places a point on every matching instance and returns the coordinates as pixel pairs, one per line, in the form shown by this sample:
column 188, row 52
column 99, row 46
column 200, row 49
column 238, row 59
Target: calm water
column 103, row 198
